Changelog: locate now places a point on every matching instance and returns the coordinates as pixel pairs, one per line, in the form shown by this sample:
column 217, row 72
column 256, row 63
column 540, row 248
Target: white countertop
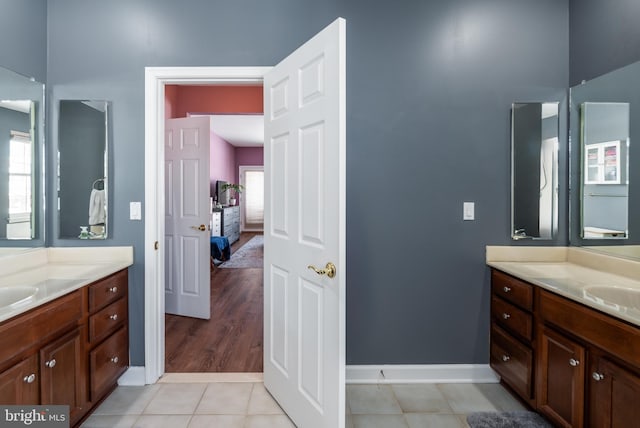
column 603, row 282
column 31, row 278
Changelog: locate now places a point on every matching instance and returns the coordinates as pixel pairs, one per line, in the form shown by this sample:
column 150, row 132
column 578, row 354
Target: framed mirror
column 83, row 182
column 534, row 170
column 21, row 161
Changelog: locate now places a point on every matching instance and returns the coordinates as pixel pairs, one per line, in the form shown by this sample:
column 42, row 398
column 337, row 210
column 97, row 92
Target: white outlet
column 468, row 210
column 135, row 210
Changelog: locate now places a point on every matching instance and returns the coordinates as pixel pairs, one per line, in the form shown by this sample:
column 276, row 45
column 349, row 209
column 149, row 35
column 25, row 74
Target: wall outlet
column 468, row 210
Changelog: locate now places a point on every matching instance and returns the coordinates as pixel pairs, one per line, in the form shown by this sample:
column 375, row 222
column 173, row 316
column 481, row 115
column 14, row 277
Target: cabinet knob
column 597, row 376
column 506, row 358
column 506, row 316
column 573, row 362
column 113, row 317
column 506, row 289
column 30, row 378
column 114, row 360
column 113, row 289
column 51, row 363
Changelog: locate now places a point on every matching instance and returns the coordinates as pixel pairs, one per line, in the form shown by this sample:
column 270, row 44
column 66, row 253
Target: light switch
column 468, row 210
column 135, row 210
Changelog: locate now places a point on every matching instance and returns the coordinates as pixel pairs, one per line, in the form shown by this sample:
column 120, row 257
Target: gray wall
column 605, row 35
column 23, row 37
column 429, row 90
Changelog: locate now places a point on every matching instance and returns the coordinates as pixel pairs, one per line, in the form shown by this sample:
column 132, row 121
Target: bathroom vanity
column 565, row 333
column 63, row 321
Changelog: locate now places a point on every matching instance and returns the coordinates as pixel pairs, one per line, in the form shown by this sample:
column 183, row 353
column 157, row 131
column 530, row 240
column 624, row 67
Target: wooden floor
column 231, row 341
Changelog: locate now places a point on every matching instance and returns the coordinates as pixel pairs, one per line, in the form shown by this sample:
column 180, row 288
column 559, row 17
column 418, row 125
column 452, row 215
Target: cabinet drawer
column 39, row 325
column 107, row 290
column 108, row 361
column 513, row 361
column 512, row 318
column 517, row 292
column 107, row 320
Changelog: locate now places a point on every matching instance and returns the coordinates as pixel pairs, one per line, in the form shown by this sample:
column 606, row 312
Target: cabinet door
column 614, row 396
column 19, row 384
column 60, row 367
column 560, row 380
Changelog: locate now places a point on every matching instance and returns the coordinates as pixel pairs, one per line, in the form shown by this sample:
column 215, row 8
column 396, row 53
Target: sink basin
column 622, row 296
column 14, row 296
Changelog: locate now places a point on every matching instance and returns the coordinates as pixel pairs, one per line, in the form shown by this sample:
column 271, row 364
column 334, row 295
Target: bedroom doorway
column 232, row 339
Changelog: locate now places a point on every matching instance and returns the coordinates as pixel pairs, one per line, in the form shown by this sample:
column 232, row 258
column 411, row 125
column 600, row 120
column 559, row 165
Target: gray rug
column 250, row 255
column 507, row 420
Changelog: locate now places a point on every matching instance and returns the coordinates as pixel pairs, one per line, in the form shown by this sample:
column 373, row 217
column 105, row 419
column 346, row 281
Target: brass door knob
column 202, row 227
column 329, row 270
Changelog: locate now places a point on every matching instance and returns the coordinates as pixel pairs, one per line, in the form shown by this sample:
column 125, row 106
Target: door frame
column 154, row 191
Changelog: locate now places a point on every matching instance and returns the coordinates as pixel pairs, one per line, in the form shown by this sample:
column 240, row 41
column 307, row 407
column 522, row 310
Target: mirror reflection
column 605, row 179
column 21, row 160
column 605, row 111
column 16, row 169
column 82, row 169
column 534, row 172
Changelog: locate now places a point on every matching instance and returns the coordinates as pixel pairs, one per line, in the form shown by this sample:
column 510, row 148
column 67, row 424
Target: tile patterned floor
column 249, row 405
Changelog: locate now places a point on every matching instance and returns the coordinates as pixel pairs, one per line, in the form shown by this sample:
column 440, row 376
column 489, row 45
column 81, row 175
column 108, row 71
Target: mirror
column 21, row 161
column 604, row 175
column 604, row 143
column 83, row 169
column 534, row 170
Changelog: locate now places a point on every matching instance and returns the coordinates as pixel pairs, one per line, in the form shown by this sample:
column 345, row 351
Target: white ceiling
column 240, row 130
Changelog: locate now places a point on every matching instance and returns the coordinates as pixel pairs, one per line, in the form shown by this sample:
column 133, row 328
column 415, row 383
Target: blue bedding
column 220, row 248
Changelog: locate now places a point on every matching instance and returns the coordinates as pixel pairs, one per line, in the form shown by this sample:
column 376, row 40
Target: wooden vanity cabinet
column 61, row 375
column 586, row 364
column 614, row 395
column 512, row 347
column 18, row 383
column 107, row 346
column 68, row 351
column 560, row 381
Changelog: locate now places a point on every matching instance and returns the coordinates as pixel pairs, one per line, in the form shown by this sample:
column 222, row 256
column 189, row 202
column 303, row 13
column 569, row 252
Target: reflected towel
column 97, row 212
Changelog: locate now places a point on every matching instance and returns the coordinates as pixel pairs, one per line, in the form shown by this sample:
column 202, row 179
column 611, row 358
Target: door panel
column 305, row 225
column 187, row 275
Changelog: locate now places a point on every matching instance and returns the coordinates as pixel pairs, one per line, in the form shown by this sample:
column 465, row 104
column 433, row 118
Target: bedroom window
column 252, row 208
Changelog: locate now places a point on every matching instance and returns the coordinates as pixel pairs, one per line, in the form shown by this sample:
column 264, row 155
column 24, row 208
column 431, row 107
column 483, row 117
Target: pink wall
column 222, row 162
column 170, row 101
column 215, row 99
column 248, row 156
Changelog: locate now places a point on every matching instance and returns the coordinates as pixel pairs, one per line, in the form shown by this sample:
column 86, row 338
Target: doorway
column 156, row 80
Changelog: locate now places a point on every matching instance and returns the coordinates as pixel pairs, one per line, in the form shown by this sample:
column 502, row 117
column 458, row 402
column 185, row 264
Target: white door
column 186, row 241
column 305, row 225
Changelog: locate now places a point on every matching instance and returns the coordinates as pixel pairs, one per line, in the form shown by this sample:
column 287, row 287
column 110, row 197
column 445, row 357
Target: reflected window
column 20, row 185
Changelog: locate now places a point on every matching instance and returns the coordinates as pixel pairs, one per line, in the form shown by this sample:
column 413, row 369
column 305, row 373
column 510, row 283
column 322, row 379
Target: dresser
column 231, row 223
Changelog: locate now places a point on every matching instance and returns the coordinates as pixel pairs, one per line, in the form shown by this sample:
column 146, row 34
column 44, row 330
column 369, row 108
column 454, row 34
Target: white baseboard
column 432, row 373
column 386, row 373
column 134, row 376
